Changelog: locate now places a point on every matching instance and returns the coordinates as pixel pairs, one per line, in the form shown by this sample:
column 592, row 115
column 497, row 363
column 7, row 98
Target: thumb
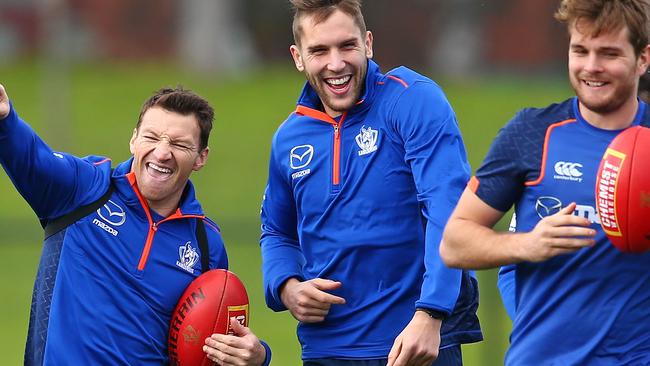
column 326, row 285
column 237, row 328
column 394, row 352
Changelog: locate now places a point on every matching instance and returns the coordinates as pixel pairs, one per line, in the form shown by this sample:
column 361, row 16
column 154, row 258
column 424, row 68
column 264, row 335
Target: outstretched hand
column 557, row 234
column 308, row 301
column 4, row 103
column 241, row 349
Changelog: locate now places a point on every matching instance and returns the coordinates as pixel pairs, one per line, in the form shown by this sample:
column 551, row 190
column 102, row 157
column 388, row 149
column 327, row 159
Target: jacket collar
column 122, row 178
column 309, row 99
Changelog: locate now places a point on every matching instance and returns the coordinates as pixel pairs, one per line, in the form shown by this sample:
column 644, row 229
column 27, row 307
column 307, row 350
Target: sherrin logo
column 613, row 161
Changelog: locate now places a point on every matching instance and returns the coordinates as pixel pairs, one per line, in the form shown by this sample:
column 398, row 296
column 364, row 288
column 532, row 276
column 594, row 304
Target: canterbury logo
column 568, row 171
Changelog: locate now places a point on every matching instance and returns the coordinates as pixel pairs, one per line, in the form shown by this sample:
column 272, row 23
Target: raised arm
column 52, row 183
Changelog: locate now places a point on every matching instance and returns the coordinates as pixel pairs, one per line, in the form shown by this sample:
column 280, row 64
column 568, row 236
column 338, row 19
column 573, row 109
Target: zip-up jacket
column 107, row 285
column 363, row 199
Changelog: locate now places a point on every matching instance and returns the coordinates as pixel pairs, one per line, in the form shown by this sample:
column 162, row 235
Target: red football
column 205, row 308
column 623, row 190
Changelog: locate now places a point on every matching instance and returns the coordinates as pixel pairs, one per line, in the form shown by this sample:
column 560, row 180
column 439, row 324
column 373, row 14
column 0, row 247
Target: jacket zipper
column 336, row 158
column 336, row 163
column 153, row 228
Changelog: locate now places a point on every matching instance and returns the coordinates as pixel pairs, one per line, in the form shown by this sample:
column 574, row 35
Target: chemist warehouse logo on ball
column 112, row 214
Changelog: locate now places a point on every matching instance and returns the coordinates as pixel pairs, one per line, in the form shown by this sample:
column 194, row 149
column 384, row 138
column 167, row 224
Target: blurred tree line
column 448, row 37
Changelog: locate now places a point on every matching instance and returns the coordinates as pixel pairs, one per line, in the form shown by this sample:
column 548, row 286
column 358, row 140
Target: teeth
column 594, row 83
column 159, row 168
column 339, row 81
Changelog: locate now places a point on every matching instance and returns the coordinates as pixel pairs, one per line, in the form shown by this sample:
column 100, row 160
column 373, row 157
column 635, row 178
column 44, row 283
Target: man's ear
column 644, row 60
column 132, row 141
column 297, row 58
column 368, row 43
column 201, row 159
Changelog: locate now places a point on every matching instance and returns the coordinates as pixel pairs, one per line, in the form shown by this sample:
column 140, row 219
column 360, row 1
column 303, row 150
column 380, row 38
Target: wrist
column 434, row 314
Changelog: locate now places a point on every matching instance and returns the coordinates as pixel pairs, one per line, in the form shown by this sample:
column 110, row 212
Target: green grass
column 103, row 104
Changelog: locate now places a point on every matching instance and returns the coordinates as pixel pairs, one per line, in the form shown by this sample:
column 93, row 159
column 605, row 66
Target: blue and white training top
column 591, row 307
column 107, row 285
column 363, row 199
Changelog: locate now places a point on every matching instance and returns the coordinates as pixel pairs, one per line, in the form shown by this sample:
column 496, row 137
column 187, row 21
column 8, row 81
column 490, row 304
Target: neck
column 165, row 207
column 162, row 210
column 330, row 112
column 618, row 119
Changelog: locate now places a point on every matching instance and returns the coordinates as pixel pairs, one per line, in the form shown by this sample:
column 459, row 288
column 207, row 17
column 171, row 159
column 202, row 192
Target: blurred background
column 79, row 70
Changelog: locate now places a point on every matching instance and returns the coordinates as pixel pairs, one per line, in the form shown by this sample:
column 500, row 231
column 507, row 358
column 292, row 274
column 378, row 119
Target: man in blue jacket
column 108, row 283
column 575, row 299
column 362, row 178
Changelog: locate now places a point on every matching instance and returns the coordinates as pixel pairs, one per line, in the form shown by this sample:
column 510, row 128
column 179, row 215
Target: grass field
column 94, row 109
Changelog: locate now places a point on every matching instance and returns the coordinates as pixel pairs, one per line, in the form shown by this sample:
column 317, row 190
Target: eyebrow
column 186, row 141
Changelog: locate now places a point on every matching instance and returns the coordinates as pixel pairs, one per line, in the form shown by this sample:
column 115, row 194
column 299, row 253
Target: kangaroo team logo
column 188, row 256
column 367, row 140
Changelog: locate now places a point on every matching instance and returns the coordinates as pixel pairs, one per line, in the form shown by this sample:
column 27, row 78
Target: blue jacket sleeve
column 434, row 150
column 267, row 360
column 52, row 183
column 281, row 255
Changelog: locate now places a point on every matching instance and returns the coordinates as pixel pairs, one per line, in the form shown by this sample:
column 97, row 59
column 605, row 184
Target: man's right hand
column 4, row 103
column 308, row 301
column 557, row 234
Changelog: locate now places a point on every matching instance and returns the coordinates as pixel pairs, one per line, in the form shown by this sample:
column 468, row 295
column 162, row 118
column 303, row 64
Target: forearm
column 467, row 244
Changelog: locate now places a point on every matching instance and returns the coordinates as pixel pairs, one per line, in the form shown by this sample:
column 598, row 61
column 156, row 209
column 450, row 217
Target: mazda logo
column 112, row 213
column 547, row 206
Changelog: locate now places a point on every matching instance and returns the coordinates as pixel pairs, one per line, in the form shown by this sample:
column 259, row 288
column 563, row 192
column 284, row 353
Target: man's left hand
column 418, row 344
column 241, row 349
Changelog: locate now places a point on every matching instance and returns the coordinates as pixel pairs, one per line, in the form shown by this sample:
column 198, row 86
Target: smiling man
column 121, row 244
column 362, row 178
column 575, row 299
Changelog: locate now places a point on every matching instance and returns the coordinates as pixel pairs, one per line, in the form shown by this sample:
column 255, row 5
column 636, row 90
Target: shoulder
column 288, row 127
column 532, row 122
column 410, row 96
column 406, row 83
column 211, row 227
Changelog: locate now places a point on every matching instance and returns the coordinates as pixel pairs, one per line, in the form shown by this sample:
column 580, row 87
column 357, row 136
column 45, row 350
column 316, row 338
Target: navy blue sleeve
column 434, row 150
column 52, row 183
column 502, row 174
column 281, row 254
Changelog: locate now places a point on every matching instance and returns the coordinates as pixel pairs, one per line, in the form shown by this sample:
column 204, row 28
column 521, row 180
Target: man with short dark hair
column 108, row 281
column 576, row 299
column 362, row 178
